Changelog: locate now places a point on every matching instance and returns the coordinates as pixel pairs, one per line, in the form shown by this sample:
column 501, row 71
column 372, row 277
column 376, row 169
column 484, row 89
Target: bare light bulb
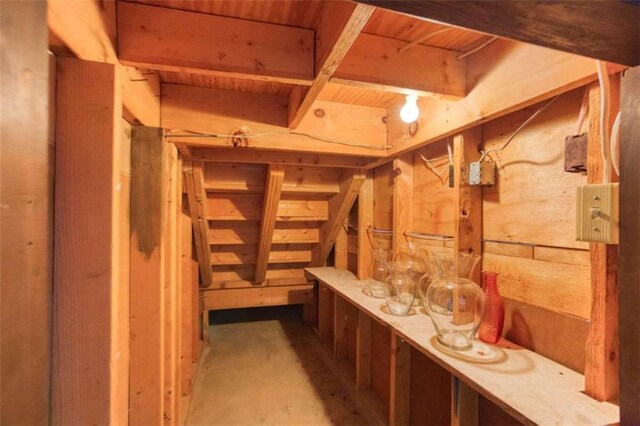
column 409, row 111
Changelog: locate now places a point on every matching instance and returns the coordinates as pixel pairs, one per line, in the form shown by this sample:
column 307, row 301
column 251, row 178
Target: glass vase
column 379, row 272
column 401, row 289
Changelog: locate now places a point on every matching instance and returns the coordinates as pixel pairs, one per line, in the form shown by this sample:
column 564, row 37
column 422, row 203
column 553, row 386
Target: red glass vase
column 490, row 329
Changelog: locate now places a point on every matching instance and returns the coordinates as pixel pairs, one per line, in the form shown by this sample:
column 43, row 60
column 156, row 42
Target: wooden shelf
column 530, row 387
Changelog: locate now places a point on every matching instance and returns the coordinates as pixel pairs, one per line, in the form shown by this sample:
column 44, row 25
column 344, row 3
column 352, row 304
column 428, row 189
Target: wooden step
column 247, row 232
column 246, row 254
column 248, row 206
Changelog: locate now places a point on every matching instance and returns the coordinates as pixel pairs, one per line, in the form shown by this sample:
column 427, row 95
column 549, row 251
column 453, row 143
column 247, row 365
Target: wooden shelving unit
column 528, row 386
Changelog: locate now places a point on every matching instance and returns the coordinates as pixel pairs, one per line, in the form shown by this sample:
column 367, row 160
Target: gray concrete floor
column 264, row 366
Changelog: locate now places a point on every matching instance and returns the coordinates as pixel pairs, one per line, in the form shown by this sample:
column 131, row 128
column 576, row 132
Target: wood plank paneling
column 536, row 282
column 537, row 74
column 380, row 361
column 430, row 391
column 531, row 177
column 87, row 292
column 433, row 206
column 172, row 40
column 26, row 219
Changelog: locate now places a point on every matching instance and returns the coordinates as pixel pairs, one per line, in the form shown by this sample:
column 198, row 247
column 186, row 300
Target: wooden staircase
column 257, row 226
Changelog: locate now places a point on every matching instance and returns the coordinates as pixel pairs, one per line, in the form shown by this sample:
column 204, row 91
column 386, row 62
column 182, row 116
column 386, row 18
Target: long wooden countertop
column 528, row 386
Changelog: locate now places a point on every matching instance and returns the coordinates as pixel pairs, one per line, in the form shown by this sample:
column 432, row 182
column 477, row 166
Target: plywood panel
column 380, row 361
column 299, row 13
column 26, row 218
column 557, row 336
column 433, row 206
column 534, row 199
column 430, row 391
column 558, row 287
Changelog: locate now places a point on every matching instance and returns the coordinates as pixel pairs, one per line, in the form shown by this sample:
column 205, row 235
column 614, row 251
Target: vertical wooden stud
column 186, row 288
column 26, row 218
column 325, row 315
column 629, row 273
column 601, row 368
column 400, row 381
column 365, row 222
column 468, row 239
column 89, row 374
column 148, row 175
column 363, row 351
column 402, row 199
column 468, row 199
column 339, row 327
column 341, row 249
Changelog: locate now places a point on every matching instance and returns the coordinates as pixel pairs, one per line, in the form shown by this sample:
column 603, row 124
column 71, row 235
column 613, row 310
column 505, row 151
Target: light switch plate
column 597, row 213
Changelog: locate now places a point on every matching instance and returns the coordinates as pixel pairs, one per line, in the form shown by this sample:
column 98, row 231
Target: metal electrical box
column 482, row 173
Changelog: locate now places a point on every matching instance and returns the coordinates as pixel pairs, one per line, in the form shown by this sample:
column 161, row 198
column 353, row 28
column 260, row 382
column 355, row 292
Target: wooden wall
column 26, row 165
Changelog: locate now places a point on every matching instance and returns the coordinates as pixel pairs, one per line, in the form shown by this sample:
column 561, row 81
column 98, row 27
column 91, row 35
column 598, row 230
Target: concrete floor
column 265, row 367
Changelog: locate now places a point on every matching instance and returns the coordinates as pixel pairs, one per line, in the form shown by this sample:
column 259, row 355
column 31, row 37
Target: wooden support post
column 186, row 305
column 402, row 199
column 464, row 404
column 468, row 239
column 26, row 217
column 400, row 381
column 468, row 199
column 363, row 351
column 602, row 363
column 365, row 222
column 148, row 177
column 629, row 273
column 325, row 315
column 339, row 208
column 194, row 179
column 339, row 327
column 90, row 367
column 273, row 189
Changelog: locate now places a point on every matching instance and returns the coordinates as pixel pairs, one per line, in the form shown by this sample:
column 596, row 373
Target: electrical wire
column 423, row 39
column 603, row 79
column 584, row 109
column 615, row 143
column 522, row 126
column 433, row 169
column 472, row 51
column 240, row 135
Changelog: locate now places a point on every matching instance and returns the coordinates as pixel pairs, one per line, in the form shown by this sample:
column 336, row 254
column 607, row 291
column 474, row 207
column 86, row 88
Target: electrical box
column 482, row 173
column 597, row 213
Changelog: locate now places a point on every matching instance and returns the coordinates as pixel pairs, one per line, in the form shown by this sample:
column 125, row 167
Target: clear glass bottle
column 379, row 272
column 401, row 288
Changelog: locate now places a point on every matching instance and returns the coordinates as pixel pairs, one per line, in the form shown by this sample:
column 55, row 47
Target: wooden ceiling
column 306, row 14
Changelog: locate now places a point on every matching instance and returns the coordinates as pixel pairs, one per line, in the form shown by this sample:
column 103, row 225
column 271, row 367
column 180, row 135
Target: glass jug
column 379, row 272
column 401, row 288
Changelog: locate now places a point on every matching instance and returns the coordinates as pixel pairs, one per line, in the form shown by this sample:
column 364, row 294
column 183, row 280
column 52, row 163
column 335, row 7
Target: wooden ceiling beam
column 333, row 128
column 273, row 189
column 376, row 62
column 603, row 30
column 339, row 208
column 254, row 156
column 339, row 25
column 84, row 28
column 173, row 40
column 533, row 74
